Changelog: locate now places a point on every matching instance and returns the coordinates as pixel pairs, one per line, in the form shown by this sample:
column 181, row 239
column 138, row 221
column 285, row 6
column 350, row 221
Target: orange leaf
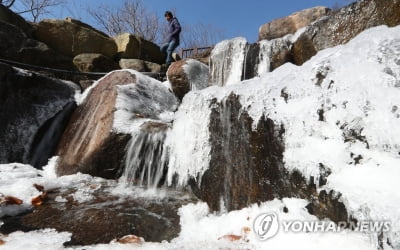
column 38, row 200
column 11, row 200
column 230, row 237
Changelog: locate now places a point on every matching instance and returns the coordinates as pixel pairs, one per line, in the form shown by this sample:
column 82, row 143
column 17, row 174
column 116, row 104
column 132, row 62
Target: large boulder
column 140, row 65
column 71, row 38
column 17, row 46
column 290, row 24
column 88, row 144
column 92, row 62
column 29, row 106
column 246, row 165
column 187, row 75
column 343, row 25
column 136, row 47
column 112, row 112
column 6, row 15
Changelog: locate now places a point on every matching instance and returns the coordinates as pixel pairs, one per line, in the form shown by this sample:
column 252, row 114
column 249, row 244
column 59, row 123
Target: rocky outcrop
column 135, row 47
column 6, row 15
column 343, row 25
column 92, row 62
column 88, row 144
column 140, row 65
column 187, row 75
column 28, row 101
column 290, row 24
column 71, row 39
column 112, row 112
column 17, row 46
column 246, row 166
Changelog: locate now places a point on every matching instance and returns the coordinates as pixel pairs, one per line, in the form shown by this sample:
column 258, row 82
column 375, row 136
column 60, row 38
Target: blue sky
column 234, row 17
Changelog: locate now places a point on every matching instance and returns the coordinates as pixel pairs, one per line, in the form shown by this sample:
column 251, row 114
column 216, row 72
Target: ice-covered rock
column 108, row 115
column 186, row 75
column 29, row 103
column 338, row 112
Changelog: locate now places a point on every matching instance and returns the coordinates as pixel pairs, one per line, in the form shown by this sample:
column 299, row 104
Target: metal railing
column 192, row 52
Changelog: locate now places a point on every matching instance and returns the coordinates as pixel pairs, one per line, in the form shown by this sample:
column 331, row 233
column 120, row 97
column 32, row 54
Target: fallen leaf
column 11, row 200
column 246, row 230
column 39, row 187
column 230, row 237
column 131, row 239
column 38, row 200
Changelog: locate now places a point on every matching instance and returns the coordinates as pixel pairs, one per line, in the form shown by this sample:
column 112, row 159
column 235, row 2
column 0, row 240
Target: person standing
column 174, row 30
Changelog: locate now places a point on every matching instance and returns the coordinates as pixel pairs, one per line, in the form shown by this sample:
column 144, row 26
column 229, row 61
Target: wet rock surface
column 101, row 216
column 247, row 166
column 27, row 102
column 88, row 135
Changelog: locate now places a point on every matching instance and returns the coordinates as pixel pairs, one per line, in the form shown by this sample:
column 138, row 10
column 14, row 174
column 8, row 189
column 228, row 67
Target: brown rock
column 186, row 75
column 88, row 145
column 343, row 25
column 140, row 65
column 135, row 47
column 16, row 46
column 290, row 24
column 72, row 39
column 92, row 62
column 128, row 46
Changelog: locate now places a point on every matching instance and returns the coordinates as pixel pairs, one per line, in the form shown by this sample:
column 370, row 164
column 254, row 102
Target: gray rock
column 27, row 102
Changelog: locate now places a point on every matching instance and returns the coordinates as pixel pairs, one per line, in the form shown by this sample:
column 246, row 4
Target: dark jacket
column 174, row 30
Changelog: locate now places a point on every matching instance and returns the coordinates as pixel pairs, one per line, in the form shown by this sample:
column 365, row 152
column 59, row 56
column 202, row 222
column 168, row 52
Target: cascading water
column 226, row 61
column 152, row 163
column 146, row 161
column 235, row 60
